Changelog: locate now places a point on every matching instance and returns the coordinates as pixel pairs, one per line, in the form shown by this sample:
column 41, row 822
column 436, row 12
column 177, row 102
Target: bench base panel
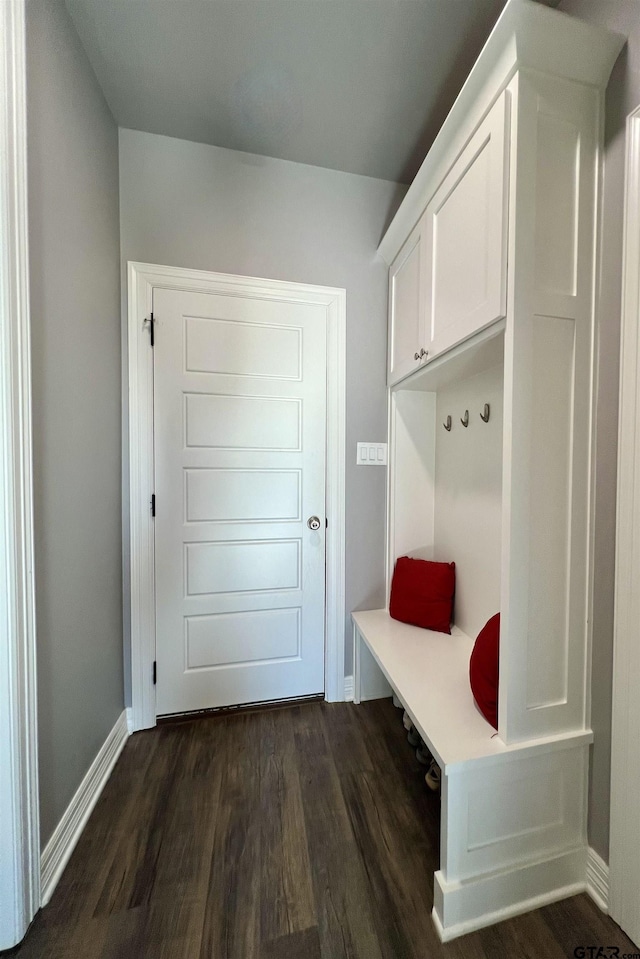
column 462, row 907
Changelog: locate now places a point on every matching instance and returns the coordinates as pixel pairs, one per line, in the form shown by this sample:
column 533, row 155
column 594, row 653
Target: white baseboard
column 500, row 915
column 129, row 712
column 59, row 848
column 598, row 880
column 464, row 906
column 348, row 689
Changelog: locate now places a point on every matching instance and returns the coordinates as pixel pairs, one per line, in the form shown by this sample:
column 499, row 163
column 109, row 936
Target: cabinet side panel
column 549, row 403
column 552, row 355
column 558, row 158
column 518, row 810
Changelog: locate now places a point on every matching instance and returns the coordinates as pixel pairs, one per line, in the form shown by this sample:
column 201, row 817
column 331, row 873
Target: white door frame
column 624, row 858
column 142, row 278
column 19, row 819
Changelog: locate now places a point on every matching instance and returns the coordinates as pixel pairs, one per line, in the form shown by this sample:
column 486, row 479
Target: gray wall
column 75, row 311
column 623, row 95
column 190, row 205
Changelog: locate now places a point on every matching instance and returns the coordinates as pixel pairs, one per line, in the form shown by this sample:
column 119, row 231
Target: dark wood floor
column 294, row 833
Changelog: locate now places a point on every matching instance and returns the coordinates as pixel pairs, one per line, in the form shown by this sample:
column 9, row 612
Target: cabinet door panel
column 466, row 225
column 407, row 328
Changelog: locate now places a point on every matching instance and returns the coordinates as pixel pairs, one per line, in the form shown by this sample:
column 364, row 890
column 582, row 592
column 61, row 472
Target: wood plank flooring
column 303, row 832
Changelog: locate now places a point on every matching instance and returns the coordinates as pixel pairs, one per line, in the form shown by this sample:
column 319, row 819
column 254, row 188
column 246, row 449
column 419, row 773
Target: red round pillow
column 484, row 669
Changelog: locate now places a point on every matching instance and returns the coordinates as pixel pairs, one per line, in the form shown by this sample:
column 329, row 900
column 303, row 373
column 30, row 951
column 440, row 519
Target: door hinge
column 155, row 672
column 153, row 504
column 152, row 337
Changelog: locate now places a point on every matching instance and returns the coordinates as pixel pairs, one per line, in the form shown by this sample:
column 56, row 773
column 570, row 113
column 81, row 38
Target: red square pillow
column 422, row 593
column 484, row 670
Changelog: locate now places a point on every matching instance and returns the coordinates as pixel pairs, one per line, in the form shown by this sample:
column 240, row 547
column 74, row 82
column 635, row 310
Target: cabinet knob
column 416, row 356
column 423, row 352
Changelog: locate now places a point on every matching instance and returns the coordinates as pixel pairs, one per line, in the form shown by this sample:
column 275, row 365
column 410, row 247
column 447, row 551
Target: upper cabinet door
column 407, row 314
column 466, row 227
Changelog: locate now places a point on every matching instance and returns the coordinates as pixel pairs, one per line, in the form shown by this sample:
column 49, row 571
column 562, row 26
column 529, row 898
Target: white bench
column 512, row 825
column 429, row 673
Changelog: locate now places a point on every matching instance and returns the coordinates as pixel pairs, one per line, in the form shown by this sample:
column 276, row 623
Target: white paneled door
column 239, row 430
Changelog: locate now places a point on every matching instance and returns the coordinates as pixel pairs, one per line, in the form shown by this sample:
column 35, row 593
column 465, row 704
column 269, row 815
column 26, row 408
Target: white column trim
column 19, row 833
column 142, row 278
column 624, row 859
column 141, row 535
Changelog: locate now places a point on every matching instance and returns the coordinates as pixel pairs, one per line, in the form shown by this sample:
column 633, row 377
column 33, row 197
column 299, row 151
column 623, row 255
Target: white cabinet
column 449, row 279
column 407, row 318
column 466, row 229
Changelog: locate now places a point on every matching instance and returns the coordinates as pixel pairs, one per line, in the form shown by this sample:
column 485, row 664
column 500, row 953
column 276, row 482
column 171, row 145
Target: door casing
column 139, row 559
column 20, row 820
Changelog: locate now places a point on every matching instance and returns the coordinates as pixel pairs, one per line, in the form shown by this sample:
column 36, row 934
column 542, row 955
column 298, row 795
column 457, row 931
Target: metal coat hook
column 447, row 424
column 465, row 419
column 487, row 411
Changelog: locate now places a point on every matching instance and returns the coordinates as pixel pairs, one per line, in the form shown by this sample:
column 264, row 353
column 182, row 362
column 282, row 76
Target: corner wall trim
column 68, row 831
column 624, row 832
column 598, row 880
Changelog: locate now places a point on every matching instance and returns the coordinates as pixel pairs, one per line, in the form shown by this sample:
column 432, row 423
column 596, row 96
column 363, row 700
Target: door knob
column 313, row 522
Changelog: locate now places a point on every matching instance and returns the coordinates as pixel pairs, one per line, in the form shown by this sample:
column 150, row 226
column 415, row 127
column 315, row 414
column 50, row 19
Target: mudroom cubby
column 491, row 340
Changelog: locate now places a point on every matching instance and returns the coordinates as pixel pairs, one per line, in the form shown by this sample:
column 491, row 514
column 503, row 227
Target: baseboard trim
column 598, row 880
column 348, row 689
column 129, row 714
column 460, row 907
column 510, row 912
column 59, row 848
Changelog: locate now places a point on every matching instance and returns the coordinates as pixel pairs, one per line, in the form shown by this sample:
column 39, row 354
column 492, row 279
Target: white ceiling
column 354, row 85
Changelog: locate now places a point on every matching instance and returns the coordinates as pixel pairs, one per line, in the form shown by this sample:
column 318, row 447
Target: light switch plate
column 371, row 454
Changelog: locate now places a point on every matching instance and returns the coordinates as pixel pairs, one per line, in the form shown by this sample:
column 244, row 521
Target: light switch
column 371, row 454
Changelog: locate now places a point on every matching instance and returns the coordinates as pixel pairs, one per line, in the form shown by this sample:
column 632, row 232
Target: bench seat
column 429, row 672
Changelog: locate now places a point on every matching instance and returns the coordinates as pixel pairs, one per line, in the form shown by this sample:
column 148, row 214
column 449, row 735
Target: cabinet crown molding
column 527, row 35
